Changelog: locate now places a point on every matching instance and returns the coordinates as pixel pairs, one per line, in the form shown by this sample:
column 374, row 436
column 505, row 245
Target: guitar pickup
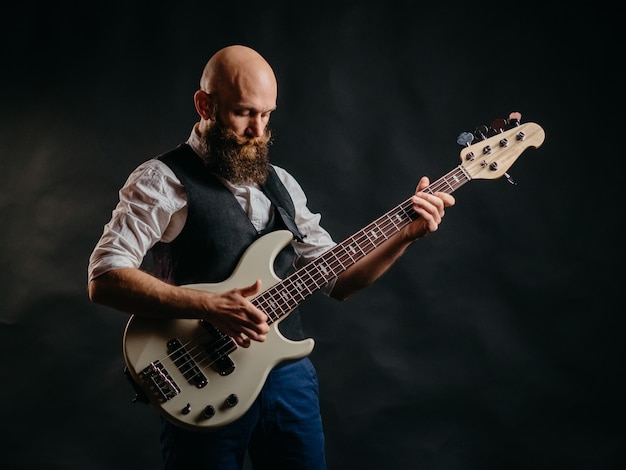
column 186, row 364
column 218, row 350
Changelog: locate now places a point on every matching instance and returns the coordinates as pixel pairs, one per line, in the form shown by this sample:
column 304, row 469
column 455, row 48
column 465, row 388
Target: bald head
column 235, row 68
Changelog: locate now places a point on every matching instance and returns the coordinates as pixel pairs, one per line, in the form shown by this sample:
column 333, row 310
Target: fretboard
column 282, row 298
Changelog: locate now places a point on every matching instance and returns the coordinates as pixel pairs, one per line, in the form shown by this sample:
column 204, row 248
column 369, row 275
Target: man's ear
column 204, row 103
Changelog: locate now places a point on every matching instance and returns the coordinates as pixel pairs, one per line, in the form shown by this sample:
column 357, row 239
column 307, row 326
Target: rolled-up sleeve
column 151, row 208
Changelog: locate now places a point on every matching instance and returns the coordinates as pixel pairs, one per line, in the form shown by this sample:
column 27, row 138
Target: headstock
column 490, row 151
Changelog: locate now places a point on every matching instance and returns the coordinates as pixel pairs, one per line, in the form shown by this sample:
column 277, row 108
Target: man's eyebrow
column 250, row 107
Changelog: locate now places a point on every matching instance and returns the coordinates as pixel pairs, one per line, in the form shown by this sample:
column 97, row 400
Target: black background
column 495, row 343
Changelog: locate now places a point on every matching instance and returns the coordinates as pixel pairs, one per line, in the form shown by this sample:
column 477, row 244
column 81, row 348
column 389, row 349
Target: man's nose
column 256, row 126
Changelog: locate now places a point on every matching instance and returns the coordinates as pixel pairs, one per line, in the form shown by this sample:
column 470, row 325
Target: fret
column 408, row 216
column 310, row 276
column 390, row 227
column 295, row 292
column 379, row 233
column 324, row 268
column 350, row 250
column 303, row 287
column 334, row 254
column 371, row 236
column 366, row 243
column 354, row 251
column 395, row 220
column 402, row 219
column 462, row 173
column 286, row 295
column 299, row 286
column 445, row 178
column 270, row 308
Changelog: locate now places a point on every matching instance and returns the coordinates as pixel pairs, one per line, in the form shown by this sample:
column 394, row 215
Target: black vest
column 218, row 231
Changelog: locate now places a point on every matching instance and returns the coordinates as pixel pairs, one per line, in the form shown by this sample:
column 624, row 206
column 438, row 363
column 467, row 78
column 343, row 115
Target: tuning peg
column 514, row 119
column 481, row 132
column 499, row 125
column 465, row 139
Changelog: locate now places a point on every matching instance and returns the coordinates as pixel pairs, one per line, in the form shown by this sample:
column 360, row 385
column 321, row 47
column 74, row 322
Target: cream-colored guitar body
column 226, row 396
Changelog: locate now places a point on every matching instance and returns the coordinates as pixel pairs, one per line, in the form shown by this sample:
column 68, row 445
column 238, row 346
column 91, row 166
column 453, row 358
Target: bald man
column 197, row 209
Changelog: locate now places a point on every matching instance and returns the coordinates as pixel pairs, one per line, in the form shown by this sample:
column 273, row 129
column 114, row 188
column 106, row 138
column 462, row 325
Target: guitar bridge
column 161, row 383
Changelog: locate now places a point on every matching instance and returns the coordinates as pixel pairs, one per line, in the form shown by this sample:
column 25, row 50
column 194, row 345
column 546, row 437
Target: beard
column 240, row 160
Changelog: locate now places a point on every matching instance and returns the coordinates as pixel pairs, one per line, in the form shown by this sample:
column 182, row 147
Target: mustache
column 244, row 141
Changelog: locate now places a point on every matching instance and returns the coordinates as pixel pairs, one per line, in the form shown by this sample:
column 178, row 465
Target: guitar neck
column 285, row 296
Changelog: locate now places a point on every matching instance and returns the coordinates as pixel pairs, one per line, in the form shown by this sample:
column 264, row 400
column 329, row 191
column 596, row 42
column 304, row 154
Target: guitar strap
column 280, row 198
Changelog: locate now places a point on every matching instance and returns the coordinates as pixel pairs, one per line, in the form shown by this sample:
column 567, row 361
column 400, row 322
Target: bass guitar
column 199, row 379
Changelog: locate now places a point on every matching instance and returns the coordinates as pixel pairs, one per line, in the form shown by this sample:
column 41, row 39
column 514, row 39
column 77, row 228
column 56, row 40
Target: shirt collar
column 197, row 142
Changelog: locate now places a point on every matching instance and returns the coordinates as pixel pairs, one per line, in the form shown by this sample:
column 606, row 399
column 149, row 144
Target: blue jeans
column 282, row 429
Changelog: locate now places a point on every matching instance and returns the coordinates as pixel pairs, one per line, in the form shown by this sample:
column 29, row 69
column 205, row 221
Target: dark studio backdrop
column 496, row 342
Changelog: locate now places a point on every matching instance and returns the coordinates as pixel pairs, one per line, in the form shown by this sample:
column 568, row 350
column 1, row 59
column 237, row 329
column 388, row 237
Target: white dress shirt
column 152, row 207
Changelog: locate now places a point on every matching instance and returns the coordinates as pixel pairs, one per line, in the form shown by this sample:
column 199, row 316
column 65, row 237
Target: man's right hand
column 233, row 314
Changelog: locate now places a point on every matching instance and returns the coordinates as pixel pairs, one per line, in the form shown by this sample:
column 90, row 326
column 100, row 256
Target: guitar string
column 385, row 224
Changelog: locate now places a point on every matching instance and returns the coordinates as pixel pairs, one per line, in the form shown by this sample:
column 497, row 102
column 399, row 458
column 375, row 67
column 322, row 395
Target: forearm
column 371, row 267
column 430, row 209
column 136, row 292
